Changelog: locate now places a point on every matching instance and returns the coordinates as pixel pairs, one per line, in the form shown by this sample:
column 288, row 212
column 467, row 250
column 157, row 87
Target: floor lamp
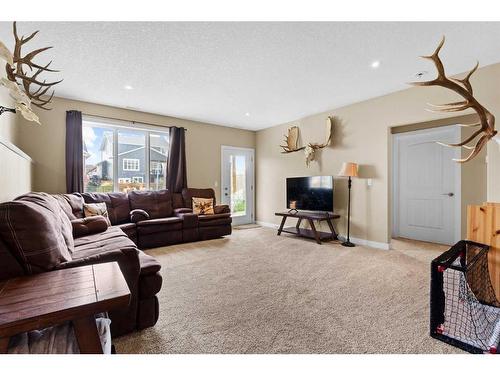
column 349, row 170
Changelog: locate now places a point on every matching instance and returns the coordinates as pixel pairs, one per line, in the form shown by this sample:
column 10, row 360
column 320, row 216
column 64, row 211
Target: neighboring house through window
column 122, row 156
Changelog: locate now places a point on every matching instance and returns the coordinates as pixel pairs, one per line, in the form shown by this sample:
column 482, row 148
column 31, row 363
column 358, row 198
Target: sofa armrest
column 89, row 225
column 138, row 215
column 222, row 209
column 182, row 210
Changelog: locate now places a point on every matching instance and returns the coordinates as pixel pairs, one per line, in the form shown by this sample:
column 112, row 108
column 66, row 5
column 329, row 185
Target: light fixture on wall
column 349, row 170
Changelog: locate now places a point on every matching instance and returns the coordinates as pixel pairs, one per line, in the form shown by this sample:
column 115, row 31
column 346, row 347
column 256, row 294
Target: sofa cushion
column 71, row 204
column 165, row 224
column 38, row 232
column 177, row 200
column 156, row 203
column 96, row 209
column 89, row 225
column 203, row 206
column 129, row 229
column 117, row 203
column 212, row 220
column 112, row 239
column 189, row 193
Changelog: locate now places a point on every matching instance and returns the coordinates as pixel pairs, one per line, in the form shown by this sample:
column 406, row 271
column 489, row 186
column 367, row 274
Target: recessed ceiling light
column 128, row 87
column 247, row 114
column 375, row 64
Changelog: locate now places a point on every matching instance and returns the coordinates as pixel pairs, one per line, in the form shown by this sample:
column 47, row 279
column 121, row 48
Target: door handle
column 448, row 194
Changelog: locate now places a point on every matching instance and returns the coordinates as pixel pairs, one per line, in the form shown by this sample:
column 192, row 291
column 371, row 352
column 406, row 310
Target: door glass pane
column 158, row 144
column 131, row 160
column 238, row 185
column 98, row 159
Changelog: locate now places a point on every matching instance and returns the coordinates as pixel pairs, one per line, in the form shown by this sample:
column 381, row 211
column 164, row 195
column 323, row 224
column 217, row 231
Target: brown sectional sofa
column 41, row 232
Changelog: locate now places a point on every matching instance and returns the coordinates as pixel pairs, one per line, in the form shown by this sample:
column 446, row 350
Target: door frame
column 395, row 177
column 252, row 175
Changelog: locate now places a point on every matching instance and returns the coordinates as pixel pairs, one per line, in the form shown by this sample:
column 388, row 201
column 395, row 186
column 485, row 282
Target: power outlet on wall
column 369, row 182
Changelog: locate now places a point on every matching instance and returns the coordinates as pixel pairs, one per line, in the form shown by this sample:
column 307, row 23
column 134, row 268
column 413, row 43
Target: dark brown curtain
column 74, row 152
column 176, row 164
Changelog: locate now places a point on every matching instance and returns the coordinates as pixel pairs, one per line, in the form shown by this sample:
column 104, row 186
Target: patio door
column 237, row 180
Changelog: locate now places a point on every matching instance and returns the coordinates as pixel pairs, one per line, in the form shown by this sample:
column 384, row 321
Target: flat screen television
column 314, row 193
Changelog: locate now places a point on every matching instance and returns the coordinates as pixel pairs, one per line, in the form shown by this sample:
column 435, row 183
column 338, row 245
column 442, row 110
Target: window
column 119, row 156
column 156, row 167
column 130, row 164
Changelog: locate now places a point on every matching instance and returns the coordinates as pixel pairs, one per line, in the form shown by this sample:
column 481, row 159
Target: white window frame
column 116, row 126
column 132, row 161
column 124, row 180
column 138, row 179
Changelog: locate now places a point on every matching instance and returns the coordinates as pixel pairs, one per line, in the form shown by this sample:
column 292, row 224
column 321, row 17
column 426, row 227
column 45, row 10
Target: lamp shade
column 349, row 170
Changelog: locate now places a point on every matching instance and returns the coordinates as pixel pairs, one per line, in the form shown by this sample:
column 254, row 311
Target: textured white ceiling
column 276, row 72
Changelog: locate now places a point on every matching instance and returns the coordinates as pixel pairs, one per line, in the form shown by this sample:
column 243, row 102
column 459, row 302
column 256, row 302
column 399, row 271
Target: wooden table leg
column 282, row 225
column 87, row 335
column 4, row 344
column 298, row 223
column 332, row 228
column 316, row 235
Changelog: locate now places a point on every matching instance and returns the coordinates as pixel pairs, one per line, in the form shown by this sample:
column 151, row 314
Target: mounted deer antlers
column 19, row 82
column 16, row 72
column 464, row 89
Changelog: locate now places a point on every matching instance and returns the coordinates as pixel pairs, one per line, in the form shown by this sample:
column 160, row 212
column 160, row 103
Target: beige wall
column 493, row 172
column 362, row 135
column 15, row 166
column 46, row 143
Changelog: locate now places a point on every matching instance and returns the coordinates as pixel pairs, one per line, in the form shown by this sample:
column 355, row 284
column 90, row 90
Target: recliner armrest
column 189, row 220
column 138, row 215
column 182, row 210
column 89, row 225
column 222, row 209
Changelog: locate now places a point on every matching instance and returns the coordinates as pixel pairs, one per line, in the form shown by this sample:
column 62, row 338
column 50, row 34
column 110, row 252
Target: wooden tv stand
column 312, row 233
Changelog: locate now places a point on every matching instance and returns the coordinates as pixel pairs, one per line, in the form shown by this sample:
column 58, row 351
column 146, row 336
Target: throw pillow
column 203, row 206
column 96, row 209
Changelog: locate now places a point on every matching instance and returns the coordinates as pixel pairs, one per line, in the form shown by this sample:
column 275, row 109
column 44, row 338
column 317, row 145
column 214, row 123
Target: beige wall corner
column 493, row 167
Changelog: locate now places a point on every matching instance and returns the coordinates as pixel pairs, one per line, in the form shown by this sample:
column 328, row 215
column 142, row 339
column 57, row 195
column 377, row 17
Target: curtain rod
column 133, row 122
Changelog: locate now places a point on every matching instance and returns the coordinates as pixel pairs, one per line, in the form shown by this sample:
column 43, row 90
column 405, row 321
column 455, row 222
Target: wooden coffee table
column 312, row 233
column 74, row 294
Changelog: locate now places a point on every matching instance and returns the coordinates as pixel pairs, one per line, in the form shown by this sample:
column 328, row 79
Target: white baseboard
column 268, row 225
column 363, row 242
column 357, row 241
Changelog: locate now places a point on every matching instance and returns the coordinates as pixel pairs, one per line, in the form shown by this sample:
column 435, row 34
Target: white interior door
column 237, row 191
column 427, row 186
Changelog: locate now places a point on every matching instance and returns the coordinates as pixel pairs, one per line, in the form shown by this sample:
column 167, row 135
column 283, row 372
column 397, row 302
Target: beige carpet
column 255, row 292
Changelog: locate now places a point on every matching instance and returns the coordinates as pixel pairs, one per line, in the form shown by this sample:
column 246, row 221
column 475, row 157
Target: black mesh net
column 464, row 309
